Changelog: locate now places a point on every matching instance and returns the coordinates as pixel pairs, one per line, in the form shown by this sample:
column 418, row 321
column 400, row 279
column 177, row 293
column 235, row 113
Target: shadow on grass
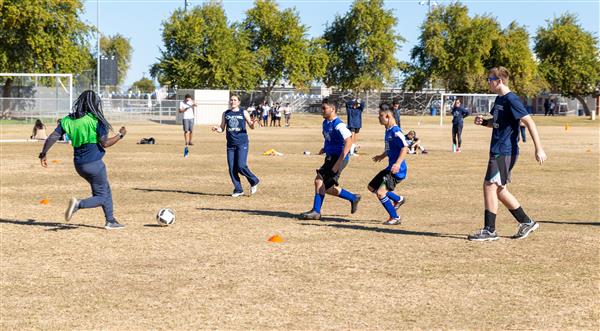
column 273, row 213
column 391, row 230
column 570, row 223
column 180, row 191
column 52, row 226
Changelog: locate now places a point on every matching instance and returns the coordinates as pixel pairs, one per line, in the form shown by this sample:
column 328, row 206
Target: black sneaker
column 354, row 204
column 114, row 225
column 525, row 229
column 400, row 202
column 311, row 215
column 483, row 235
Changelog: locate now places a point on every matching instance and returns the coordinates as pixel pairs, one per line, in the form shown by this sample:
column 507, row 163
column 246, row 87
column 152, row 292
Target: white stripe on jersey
column 343, row 130
column 401, row 136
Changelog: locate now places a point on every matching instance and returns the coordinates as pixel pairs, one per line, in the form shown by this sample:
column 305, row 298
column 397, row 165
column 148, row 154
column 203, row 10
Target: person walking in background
column 458, row 114
column 396, row 110
column 508, row 111
column 354, row 110
column 88, row 130
column 188, row 108
column 233, row 122
column 39, row 131
column 546, row 106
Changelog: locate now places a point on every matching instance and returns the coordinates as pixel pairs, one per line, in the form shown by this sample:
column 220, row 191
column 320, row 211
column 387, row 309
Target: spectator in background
column 272, row 113
column 265, row 113
column 354, row 109
column 278, row 111
column 396, row 110
column 188, row 108
column 287, row 113
column 546, row 106
column 39, row 131
column 458, row 113
column 552, row 106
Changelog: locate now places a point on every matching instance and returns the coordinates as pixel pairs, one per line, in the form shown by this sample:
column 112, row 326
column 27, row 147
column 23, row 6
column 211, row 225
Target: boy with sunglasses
column 508, row 111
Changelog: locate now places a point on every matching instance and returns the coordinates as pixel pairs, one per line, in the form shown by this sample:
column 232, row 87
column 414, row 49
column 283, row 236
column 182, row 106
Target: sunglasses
column 491, row 79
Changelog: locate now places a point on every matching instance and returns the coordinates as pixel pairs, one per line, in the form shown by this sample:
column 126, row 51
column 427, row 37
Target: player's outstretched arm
column 540, row 154
column 50, row 141
column 220, row 128
column 113, row 140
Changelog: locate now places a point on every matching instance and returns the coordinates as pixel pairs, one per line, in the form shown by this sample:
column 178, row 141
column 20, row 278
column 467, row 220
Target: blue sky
column 141, row 20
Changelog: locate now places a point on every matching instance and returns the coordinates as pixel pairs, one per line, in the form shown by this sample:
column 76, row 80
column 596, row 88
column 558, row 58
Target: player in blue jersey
column 233, row 122
column 508, row 111
column 396, row 148
column 88, row 130
column 354, row 110
column 336, row 148
column 458, row 113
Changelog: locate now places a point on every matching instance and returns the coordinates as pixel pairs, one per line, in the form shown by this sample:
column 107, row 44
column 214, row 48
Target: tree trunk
column 6, row 102
column 586, row 109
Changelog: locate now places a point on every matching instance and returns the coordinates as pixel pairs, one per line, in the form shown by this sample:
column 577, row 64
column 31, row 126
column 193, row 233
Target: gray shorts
column 188, row 125
column 500, row 168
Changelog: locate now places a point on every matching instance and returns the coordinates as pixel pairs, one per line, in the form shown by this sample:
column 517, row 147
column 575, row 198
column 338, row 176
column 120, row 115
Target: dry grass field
column 215, row 269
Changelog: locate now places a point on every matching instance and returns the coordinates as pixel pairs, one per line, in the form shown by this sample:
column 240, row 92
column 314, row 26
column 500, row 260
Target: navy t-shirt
column 235, row 124
column 458, row 113
column 508, row 110
column 355, row 114
column 87, row 153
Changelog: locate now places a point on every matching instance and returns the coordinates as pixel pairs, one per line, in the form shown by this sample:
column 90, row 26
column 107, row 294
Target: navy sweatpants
column 95, row 174
column 237, row 158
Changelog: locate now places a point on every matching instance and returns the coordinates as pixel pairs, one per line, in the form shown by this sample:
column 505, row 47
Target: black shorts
column 499, row 168
column 354, row 130
column 330, row 178
column 384, row 177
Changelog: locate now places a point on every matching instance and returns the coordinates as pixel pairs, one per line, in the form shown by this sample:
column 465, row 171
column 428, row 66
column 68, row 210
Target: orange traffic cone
column 275, row 239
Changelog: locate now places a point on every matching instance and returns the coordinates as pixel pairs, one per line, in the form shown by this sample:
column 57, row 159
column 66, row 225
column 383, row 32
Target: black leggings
column 457, row 134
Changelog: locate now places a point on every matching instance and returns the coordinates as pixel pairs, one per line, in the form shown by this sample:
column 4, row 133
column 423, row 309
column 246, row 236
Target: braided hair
column 89, row 102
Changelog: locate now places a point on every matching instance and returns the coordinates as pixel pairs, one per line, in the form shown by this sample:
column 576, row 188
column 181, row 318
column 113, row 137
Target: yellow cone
column 275, row 239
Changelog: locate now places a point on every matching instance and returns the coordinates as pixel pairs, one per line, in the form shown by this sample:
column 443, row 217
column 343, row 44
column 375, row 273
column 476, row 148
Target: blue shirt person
column 354, row 110
column 458, row 114
column 233, row 122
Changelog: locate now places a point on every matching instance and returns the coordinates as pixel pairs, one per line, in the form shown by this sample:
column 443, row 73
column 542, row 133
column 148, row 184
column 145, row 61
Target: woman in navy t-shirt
column 233, row 122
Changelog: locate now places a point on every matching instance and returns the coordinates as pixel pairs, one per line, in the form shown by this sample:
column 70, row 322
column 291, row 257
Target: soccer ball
column 165, row 217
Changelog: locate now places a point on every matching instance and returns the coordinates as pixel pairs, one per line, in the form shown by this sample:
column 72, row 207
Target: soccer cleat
column 253, row 189
column 311, row 215
column 237, row 194
column 525, row 229
column 399, row 203
column 354, row 204
column 392, row 221
column 483, row 235
column 71, row 209
column 186, row 152
column 114, row 225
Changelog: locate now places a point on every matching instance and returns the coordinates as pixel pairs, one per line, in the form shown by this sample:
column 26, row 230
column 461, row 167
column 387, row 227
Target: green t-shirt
column 81, row 131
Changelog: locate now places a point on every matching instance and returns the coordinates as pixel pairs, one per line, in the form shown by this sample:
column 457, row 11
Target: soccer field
column 215, row 269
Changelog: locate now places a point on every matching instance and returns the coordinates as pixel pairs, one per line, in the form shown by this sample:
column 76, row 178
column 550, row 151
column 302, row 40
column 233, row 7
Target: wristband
column 485, row 122
column 42, row 155
column 121, row 135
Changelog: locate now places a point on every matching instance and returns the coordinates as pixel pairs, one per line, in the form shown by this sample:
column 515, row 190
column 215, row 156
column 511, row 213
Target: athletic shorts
column 385, row 177
column 330, row 178
column 188, row 125
column 354, row 130
column 499, row 169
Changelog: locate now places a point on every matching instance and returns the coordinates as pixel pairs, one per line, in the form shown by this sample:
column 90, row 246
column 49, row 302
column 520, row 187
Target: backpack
column 147, row 141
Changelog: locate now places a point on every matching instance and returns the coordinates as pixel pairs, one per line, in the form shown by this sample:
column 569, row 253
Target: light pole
column 430, row 4
column 185, row 4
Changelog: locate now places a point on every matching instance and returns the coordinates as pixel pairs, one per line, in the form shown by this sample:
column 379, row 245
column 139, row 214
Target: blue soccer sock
column 347, row 195
column 393, row 196
column 318, row 202
column 389, row 207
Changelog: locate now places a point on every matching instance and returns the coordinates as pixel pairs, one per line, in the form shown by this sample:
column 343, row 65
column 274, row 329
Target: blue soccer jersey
column 334, row 132
column 235, row 127
column 507, row 111
column 394, row 142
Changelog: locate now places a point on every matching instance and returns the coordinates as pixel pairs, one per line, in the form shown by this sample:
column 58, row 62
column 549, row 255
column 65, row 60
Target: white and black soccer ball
column 165, row 217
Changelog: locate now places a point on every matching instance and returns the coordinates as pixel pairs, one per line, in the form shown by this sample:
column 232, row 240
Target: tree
column 202, row 50
column 283, row 50
column 119, row 47
column 42, row 36
column 361, row 46
column 452, row 47
column 569, row 58
column 511, row 50
column 144, row 85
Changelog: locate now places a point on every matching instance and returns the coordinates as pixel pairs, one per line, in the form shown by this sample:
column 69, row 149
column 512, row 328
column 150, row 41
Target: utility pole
column 185, row 4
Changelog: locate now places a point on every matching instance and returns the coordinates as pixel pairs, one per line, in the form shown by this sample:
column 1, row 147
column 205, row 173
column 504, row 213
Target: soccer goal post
column 473, row 102
column 36, row 95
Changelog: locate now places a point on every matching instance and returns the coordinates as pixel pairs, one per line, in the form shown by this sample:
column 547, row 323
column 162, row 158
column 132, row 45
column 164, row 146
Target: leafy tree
column 511, row 50
column 202, row 50
column 569, row 58
column 119, row 47
column 42, row 36
column 144, row 85
column 283, row 50
column 451, row 48
column 361, row 46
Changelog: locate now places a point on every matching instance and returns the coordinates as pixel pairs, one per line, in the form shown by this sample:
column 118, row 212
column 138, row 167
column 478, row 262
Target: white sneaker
column 71, row 209
column 237, row 194
column 253, row 189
